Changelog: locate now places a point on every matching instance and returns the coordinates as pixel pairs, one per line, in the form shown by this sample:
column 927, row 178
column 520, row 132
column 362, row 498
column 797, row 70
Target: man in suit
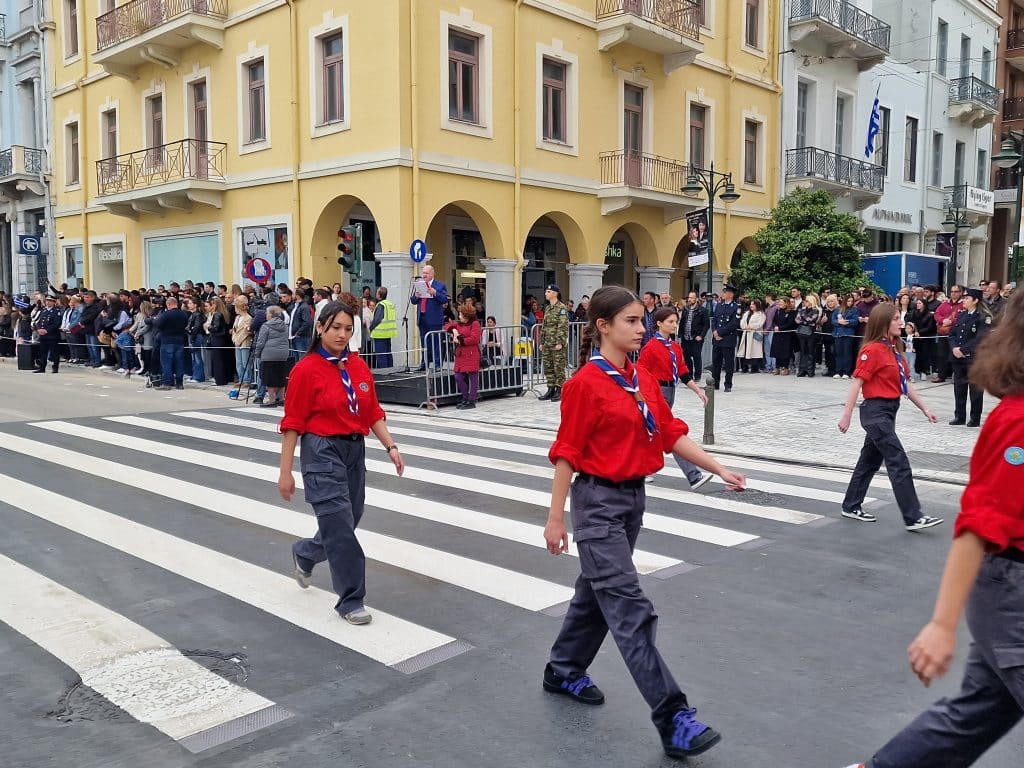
column 725, row 328
column 430, row 317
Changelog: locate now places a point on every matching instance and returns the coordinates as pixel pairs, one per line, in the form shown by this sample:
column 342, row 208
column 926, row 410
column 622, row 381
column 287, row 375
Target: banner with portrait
column 945, row 243
column 697, row 227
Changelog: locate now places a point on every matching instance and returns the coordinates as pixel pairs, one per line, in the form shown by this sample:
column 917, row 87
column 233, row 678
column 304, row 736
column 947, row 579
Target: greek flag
column 874, row 126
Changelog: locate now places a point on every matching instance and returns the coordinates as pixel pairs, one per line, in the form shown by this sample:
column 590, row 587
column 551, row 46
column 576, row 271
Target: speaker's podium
column 413, row 387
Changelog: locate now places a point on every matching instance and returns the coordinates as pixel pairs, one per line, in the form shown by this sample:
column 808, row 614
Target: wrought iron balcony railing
column 25, row 161
column 680, row 16
column 1014, row 39
column 641, row 171
column 1013, row 108
column 814, row 163
column 139, row 16
column 3, row 29
column 189, row 159
column 1007, row 178
column 973, row 89
column 845, row 16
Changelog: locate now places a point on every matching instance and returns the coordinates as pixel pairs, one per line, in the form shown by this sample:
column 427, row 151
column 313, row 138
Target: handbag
column 104, row 337
column 76, row 328
column 758, row 337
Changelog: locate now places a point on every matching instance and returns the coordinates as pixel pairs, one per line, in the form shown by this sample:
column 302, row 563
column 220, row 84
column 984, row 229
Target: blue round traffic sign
column 418, row 251
column 258, row 270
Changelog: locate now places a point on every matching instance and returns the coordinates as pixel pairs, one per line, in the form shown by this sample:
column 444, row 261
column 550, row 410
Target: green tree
column 808, row 244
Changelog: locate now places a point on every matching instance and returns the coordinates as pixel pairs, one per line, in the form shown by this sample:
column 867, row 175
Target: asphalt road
column 146, row 556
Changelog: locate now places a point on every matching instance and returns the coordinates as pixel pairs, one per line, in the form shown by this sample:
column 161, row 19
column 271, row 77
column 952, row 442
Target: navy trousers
column 334, row 474
column 956, row 731
column 606, row 522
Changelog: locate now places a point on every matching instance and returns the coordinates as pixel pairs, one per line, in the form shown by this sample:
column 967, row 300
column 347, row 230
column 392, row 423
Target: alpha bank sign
column 904, row 221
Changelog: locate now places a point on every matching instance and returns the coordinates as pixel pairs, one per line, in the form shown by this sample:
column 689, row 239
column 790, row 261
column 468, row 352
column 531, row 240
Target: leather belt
column 631, row 484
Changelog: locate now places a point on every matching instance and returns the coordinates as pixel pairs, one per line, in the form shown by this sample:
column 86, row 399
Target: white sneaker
column 359, row 617
column 845, row 376
column 120, row 371
column 837, row 376
column 924, row 522
column 106, row 367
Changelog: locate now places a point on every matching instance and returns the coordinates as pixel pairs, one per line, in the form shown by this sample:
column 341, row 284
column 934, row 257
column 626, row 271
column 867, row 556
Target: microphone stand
column 405, row 321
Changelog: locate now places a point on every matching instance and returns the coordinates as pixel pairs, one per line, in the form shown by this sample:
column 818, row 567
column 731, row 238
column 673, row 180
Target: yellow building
column 526, row 141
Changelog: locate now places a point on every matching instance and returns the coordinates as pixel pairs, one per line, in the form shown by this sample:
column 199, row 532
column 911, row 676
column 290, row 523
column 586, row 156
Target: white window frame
column 753, row 116
column 270, row 221
column 187, row 108
column 849, row 118
column 73, row 119
column 762, row 30
column 628, row 78
column 155, row 89
column 485, row 93
column 242, row 62
column 80, row 18
column 701, row 100
column 983, row 169
column 919, row 172
column 213, row 228
column 931, row 158
column 707, row 29
column 331, row 26
column 111, row 105
column 556, row 52
column 65, row 246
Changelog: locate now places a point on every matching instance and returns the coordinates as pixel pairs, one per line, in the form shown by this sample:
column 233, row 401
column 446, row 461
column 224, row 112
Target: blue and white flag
column 874, row 126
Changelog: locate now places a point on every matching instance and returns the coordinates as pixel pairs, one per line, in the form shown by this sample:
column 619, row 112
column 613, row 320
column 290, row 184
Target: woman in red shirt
column 615, row 428
column 466, row 338
column 331, row 405
column 663, row 359
column 984, row 574
column 883, row 375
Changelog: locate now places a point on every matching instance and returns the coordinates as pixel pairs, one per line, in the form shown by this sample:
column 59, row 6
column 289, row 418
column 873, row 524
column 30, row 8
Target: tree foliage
column 807, row 244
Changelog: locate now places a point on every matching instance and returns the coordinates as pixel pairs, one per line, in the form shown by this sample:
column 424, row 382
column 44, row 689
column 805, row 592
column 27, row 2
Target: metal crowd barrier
column 506, row 370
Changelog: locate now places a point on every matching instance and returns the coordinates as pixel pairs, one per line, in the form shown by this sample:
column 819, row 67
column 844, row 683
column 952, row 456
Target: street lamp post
column 956, row 217
column 1010, row 154
column 712, row 183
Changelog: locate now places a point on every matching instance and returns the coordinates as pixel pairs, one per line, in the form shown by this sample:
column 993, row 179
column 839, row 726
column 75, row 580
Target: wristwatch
column 391, row 448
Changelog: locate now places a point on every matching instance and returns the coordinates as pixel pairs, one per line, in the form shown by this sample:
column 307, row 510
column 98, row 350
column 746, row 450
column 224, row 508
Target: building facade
column 932, row 67
column 25, row 120
column 525, row 142
column 1003, row 261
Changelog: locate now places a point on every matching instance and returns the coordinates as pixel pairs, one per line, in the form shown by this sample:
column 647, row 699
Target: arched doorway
column 553, row 242
column 460, row 235
column 628, row 247
column 323, row 255
column 682, row 276
column 746, row 245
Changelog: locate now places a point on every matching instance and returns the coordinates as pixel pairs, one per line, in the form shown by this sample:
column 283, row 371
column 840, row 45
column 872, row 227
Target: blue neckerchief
column 350, row 390
column 899, row 366
column 671, row 354
column 634, row 389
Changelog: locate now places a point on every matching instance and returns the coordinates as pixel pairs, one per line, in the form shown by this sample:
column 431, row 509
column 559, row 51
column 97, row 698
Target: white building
column 931, row 64
column 24, row 136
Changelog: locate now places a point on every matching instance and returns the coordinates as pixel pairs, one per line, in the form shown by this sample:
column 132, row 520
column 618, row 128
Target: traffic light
column 351, row 248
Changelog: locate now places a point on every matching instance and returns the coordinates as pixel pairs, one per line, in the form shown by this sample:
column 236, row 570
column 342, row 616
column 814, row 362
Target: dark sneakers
column 581, row 689
column 859, row 514
column 687, row 736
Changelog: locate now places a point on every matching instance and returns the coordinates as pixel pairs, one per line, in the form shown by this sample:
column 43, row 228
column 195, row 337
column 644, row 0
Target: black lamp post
column 712, row 183
column 956, row 217
column 1009, row 156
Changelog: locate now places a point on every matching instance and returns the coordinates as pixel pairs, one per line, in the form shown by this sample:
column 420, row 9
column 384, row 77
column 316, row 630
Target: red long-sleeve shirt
column 654, row 357
column 602, row 431
column 317, row 402
column 992, row 506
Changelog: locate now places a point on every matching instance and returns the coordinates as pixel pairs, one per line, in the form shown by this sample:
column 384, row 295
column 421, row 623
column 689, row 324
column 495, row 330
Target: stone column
column 658, row 280
column 584, row 279
column 396, row 274
column 501, row 289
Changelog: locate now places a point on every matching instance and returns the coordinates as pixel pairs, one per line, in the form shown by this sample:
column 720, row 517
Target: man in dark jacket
column 300, row 322
column 693, row 327
column 171, row 324
column 725, row 330
column 90, row 311
column 47, row 325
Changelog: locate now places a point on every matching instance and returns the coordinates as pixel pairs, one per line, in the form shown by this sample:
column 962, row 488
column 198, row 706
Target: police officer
column 47, row 326
column 383, row 328
column 725, row 331
column 554, row 340
column 971, row 324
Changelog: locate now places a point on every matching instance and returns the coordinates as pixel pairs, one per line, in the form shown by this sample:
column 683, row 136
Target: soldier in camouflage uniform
column 554, row 341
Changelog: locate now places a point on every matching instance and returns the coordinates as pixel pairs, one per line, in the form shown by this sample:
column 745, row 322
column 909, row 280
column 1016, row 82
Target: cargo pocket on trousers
column 605, row 560
column 1010, row 660
column 322, row 482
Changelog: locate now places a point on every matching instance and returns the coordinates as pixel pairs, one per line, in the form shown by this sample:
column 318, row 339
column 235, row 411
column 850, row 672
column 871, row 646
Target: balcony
column 1013, row 108
column 171, row 176
column 156, row 31
column 843, row 176
column 634, row 178
column 670, row 28
column 21, row 172
column 973, row 101
column 1015, row 48
column 978, row 204
column 845, row 29
column 1007, row 182
column 3, row 29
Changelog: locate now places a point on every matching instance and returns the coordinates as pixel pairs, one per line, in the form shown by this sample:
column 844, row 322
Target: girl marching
column 984, row 575
column 615, row 427
column 332, row 405
column 883, row 375
column 663, row 359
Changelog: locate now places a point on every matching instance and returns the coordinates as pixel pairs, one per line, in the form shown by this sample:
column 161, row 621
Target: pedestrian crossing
column 189, row 500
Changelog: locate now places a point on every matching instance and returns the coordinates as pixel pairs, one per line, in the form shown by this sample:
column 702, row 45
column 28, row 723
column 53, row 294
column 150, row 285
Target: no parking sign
column 258, row 270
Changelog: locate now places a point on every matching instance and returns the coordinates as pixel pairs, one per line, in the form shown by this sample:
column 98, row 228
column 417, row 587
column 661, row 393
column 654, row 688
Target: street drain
column 82, row 704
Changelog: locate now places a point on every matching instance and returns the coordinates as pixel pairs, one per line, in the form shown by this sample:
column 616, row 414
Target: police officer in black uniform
column 972, row 323
column 725, row 330
column 47, row 326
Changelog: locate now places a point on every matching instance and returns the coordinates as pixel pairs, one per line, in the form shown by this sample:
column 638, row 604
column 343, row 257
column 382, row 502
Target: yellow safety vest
column 388, row 328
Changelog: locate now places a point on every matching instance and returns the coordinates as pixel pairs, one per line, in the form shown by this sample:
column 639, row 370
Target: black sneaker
column 687, row 736
column 924, row 522
column 859, row 514
column 257, row 401
column 582, row 688
column 701, row 481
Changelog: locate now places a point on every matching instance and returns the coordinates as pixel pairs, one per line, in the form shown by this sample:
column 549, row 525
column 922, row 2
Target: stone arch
column 746, row 245
column 553, row 242
column 633, row 247
column 324, row 240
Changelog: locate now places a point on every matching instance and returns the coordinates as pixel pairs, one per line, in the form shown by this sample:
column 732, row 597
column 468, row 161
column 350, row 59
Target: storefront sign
column 110, row 252
column 980, row 200
column 896, row 217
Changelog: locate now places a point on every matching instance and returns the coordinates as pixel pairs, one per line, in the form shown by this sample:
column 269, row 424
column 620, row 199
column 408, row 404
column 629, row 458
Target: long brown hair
column 998, row 367
column 878, row 326
column 605, row 304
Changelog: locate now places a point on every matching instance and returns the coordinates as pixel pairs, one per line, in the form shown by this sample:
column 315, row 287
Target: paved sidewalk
column 780, row 418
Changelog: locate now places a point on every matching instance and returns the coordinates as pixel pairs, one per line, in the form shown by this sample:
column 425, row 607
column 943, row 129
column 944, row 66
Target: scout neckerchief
column 899, row 366
column 350, row 390
column 634, row 389
column 671, row 353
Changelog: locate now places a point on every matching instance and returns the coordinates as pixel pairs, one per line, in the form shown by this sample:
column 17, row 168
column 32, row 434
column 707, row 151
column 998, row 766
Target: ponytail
column 587, row 336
